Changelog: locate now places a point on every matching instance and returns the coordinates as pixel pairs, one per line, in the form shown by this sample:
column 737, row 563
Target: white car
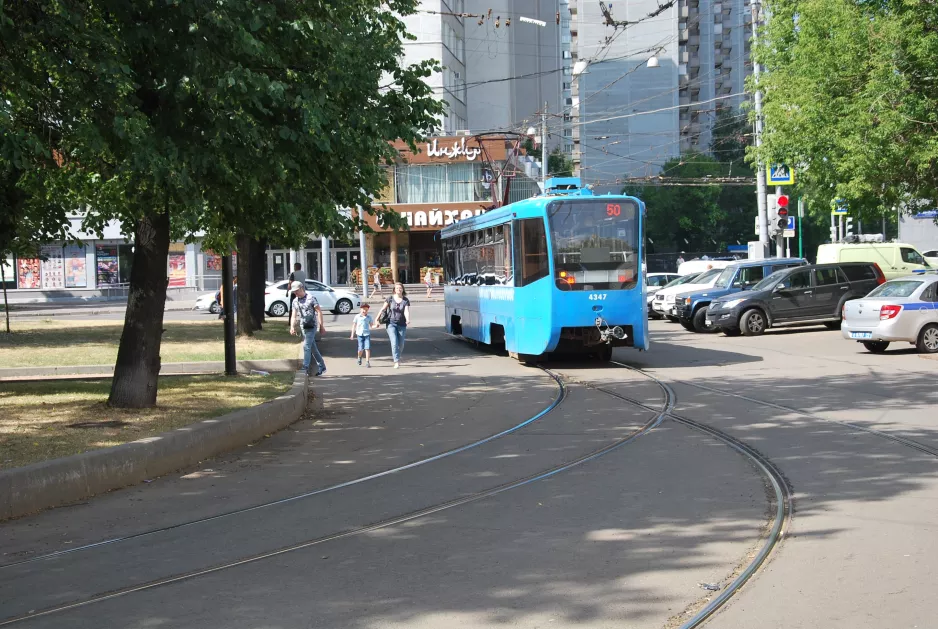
column 655, row 282
column 208, row 302
column 665, row 298
column 903, row 309
column 339, row 301
column 931, row 256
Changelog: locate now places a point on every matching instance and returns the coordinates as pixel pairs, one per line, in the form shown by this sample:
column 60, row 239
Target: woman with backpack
column 396, row 315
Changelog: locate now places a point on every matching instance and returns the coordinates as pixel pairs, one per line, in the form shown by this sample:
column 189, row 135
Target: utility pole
column 228, row 301
column 544, row 149
column 760, row 167
column 800, row 220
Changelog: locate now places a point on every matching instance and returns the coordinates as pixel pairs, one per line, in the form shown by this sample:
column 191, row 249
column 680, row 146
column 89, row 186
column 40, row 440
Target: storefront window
column 442, row 183
column 113, row 264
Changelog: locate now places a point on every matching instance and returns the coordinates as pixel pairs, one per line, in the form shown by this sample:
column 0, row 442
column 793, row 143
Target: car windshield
column 683, row 280
column 771, row 280
column 726, row 276
column 895, row 288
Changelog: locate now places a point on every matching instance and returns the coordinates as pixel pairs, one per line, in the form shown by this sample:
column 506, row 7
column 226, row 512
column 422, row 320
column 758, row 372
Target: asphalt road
column 513, row 531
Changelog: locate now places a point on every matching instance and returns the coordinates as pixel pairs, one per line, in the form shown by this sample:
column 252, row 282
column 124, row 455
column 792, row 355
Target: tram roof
column 526, row 208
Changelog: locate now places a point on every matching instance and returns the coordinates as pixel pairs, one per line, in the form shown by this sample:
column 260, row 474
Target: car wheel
column 732, row 331
column 700, row 322
column 344, row 306
column 277, row 309
column 752, row 323
column 877, row 347
column 688, row 325
column 928, row 339
column 214, row 308
column 833, row 325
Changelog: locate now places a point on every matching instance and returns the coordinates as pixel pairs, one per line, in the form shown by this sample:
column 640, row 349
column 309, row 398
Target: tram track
column 658, row 415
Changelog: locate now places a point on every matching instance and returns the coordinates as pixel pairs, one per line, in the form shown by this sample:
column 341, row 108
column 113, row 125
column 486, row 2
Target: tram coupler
column 607, row 333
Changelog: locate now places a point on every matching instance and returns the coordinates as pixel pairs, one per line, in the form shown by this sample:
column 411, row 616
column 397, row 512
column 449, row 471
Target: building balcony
column 693, row 42
column 683, row 34
column 683, row 57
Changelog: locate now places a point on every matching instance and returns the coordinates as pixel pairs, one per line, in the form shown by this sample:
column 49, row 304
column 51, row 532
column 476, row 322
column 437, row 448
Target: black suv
column 807, row 294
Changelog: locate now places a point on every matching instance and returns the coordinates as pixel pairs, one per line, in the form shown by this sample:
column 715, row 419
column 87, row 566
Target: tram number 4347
column 597, row 296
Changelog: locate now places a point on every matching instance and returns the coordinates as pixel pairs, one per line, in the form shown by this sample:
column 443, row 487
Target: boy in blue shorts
column 361, row 328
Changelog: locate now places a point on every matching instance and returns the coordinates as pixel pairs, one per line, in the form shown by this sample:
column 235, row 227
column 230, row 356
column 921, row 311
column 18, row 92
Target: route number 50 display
column 613, row 209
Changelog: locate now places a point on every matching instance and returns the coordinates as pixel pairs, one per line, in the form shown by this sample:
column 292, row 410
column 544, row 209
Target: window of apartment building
column 454, row 42
column 565, row 38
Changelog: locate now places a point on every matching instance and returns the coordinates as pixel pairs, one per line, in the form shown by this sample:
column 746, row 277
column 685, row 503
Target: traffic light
column 777, row 210
column 848, row 232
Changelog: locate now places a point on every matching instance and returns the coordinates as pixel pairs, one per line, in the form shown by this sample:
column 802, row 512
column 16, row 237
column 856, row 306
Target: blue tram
column 560, row 272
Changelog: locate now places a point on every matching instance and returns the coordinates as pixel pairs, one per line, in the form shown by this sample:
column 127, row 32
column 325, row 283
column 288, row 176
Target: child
column 361, row 327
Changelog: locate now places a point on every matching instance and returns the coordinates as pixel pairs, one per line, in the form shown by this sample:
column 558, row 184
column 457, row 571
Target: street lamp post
column 760, row 168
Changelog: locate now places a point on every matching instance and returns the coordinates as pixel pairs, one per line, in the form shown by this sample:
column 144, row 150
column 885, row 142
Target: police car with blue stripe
column 903, row 309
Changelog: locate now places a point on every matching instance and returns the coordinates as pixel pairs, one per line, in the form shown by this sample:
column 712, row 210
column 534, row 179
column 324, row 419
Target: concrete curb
column 166, row 369
column 57, row 482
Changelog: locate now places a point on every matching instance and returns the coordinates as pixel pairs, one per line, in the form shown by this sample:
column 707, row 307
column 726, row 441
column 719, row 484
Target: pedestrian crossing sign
column 780, row 175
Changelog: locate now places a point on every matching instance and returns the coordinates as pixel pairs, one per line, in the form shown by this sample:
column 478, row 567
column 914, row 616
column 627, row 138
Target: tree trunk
column 138, row 359
column 258, row 284
column 245, row 291
column 6, row 304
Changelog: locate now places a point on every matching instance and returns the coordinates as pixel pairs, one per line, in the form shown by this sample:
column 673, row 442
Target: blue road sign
column 780, row 175
column 839, row 206
column 791, row 223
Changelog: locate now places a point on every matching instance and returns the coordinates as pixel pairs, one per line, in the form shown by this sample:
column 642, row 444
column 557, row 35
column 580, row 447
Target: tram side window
column 531, row 247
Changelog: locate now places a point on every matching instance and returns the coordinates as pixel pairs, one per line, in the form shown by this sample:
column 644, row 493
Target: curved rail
column 656, row 419
column 561, row 395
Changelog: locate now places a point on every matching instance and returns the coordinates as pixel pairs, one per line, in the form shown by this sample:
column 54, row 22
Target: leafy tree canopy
column 850, row 99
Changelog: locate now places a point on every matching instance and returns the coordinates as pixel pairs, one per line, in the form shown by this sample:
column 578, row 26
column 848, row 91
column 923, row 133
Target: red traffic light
column 783, row 211
column 782, row 200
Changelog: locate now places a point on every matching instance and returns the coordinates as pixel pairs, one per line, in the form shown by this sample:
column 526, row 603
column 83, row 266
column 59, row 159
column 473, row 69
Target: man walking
column 307, row 315
column 298, row 275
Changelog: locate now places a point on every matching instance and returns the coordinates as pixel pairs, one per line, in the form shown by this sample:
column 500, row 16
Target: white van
column 895, row 259
column 699, row 266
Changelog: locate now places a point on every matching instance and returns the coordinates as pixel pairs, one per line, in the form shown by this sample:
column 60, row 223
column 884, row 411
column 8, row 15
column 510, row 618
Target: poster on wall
column 106, row 257
column 75, row 267
column 177, row 269
column 53, row 267
column 27, row 273
column 212, row 261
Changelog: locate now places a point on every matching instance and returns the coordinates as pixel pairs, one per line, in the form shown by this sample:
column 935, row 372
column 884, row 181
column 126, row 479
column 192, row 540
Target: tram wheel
column 604, row 353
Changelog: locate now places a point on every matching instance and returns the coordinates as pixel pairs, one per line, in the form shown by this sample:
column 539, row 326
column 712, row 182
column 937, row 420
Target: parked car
column 667, row 296
column 339, row 301
column 895, row 259
column 209, row 302
column 904, row 309
column 931, row 257
column 655, row 282
column 809, row 294
column 691, row 308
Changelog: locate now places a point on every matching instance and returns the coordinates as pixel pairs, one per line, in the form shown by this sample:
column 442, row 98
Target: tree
column 850, row 100
column 694, row 215
column 221, row 118
column 559, row 164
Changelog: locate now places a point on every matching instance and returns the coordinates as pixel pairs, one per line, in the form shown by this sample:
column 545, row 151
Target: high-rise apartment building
column 498, row 71
column 630, row 116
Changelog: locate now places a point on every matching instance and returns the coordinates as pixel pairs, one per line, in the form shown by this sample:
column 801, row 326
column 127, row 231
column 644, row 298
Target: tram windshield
column 595, row 243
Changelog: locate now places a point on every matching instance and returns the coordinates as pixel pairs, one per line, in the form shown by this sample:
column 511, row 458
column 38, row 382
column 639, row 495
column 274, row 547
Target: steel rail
column 561, row 395
column 783, row 497
column 910, row 443
column 652, row 423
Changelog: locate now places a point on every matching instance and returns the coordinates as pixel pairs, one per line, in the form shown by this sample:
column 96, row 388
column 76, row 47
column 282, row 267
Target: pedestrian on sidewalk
column 298, row 275
column 428, row 280
column 307, row 315
column 220, row 297
column 378, row 281
column 398, row 307
column 362, row 325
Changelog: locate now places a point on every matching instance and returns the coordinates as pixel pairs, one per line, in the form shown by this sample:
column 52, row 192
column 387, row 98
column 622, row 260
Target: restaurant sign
column 430, row 217
column 458, row 149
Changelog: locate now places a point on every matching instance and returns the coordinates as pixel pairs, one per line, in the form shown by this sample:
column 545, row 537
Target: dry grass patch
column 50, row 419
column 48, row 343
